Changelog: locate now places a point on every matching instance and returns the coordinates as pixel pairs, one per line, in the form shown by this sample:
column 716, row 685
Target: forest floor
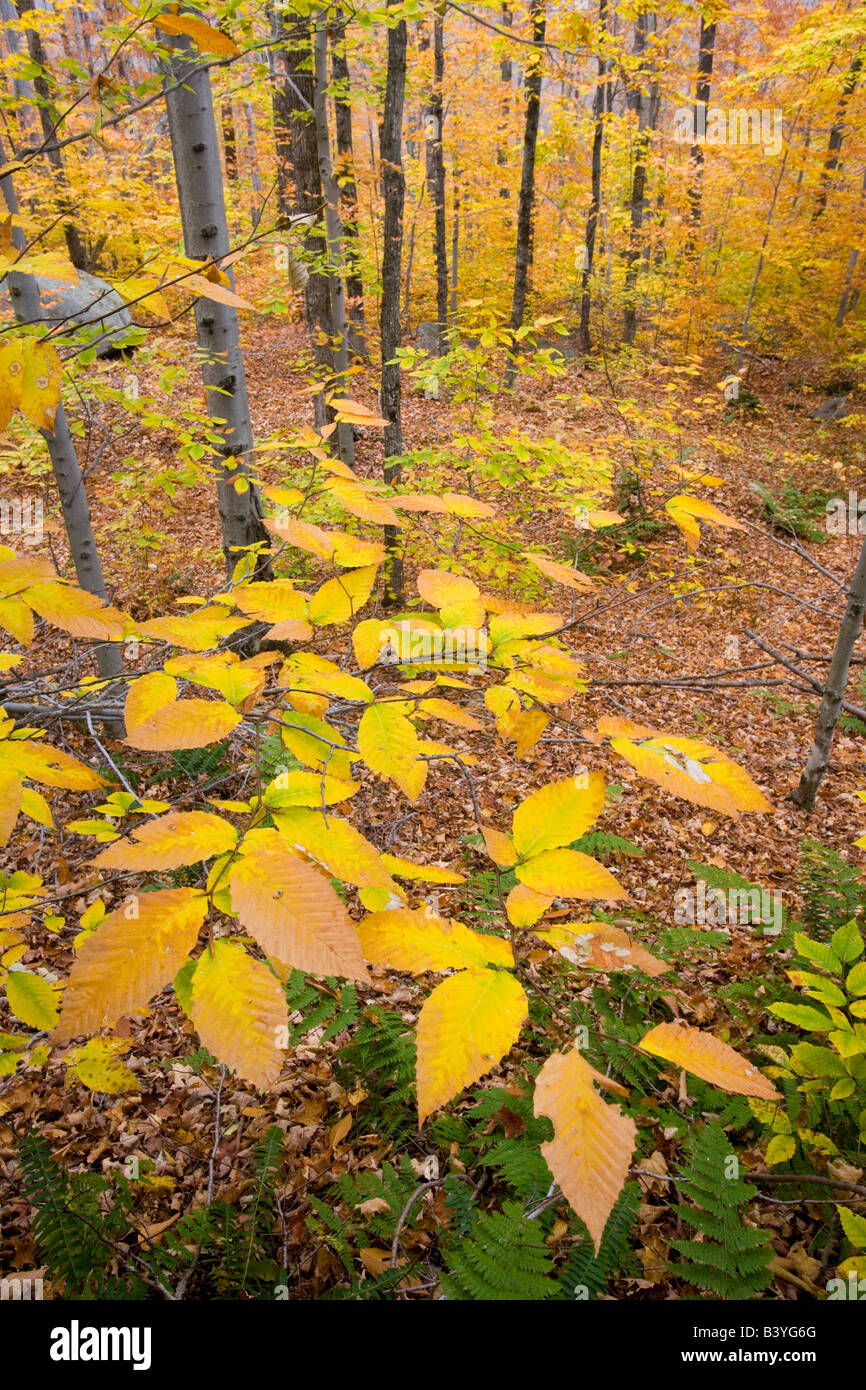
column 633, row 633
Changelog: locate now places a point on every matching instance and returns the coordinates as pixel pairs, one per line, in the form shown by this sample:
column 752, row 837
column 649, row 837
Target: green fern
column 337, row 1010
column 731, row 1260
column 395, row 1186
column 603, row 845
column 71, row 1249
column 587, row 1274
column 503, row 1258
column 382, row 1051
column 831, row 888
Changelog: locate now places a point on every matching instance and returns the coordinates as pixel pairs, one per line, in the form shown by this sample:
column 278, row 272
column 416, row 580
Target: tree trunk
column 523, row 256
column 50, row 120
column 23, row 90
column 230, row 141
column 334, row 232
column 433, row 117
column 837, row 135
column 391, row 154
column 455, row 249
column 848, row 297
column 834, row 691
column 647, row 103
column 598, row 111
column 706, row 58
column 294, row 121
column 348, row 191
column 24, row 294
column 195, row 149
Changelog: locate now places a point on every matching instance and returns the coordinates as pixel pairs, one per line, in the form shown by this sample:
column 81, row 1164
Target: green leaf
column 32, row 999
column 818, row 952
column 809, row 1060
column 780, row 1148
column 847, row 942
column 854, row 1226
column 803, row 1016
column 856, row 981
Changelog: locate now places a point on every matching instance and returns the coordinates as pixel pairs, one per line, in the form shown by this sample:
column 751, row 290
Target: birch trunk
column 195, row 149
column 24, row 294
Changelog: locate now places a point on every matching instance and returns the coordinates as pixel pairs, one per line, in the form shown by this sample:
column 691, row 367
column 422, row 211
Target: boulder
column 426, row 338
column 92, row 306
column 834, row 409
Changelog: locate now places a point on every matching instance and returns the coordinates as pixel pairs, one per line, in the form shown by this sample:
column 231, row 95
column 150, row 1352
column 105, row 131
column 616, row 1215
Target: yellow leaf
column 302, row 788
column 270, row 602
column 340, row 599
column 294, row 914
column 368, row 639
column 426, row 873
column 195, row 634
column 356, row 412
column 357, row 501
column 457, row 598
column 40, row 390
column 317, row 744
column 181, row 837
column 97, row 1066
column 128, row 959
column 185, row 724
column 335, row 844
column 34, row 805
column 450, row 714
column 10, row 801
column 419, row 502
column 51, row 766
column 17, row 619
column 74, row 611
column 147, row 694
column 590, row 1154
column 308, row 671
column 207, row 289
column 417, row 940
column 524, row 727
column 566, row 873
column 203, row 35
column 499, row 846
column 240, row 1012
column 388, row 743
column 32, row 999
column 465, row 1028
column 524, row 906
column 683, row 510
column 459, row 505
column 709, row 1058
column 351, row 551
column 561, row 574
column 695, row 771
column 558, row 813
column 303, row 535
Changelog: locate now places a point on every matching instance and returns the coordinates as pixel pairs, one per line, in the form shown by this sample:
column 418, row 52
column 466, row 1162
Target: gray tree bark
column 348, row 190
column 334, row 233
column 523, row 256
column 834, row 691
column 647, row 101
column 598, row 112
column 434, row 115
column 195, row 149
column 394, row 184
column 706, row 59
column 24, row 294
column 49, row 119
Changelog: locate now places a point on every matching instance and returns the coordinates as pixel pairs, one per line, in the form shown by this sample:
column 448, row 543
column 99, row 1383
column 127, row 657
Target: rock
column 427, row 338
column 561, row 347
column 834, row 409
column 92, row 306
